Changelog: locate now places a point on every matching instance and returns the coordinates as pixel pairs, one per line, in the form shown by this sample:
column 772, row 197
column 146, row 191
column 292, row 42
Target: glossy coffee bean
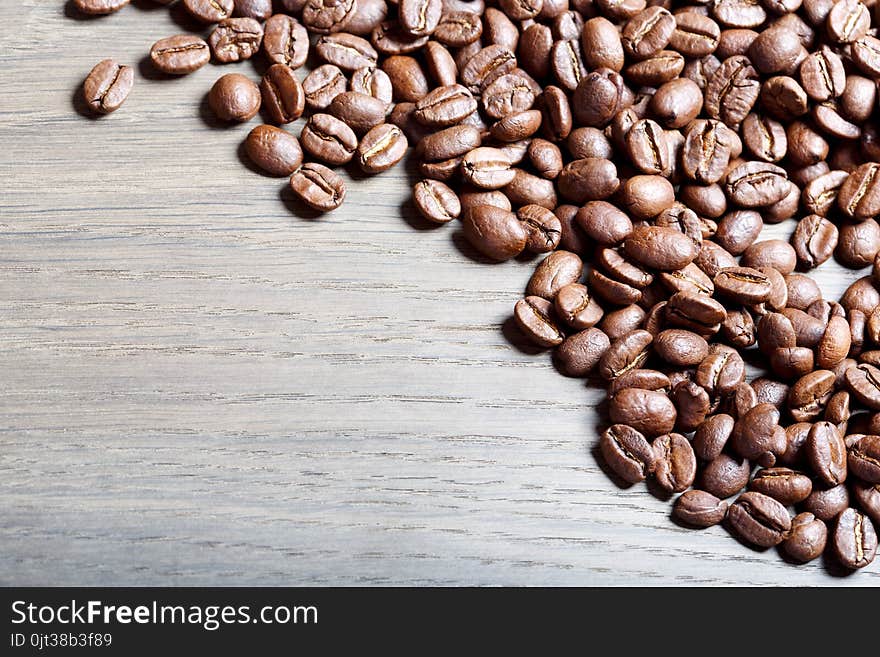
column 759, row 519
column 275, row 151
column 107, row 86
column 180, row 54
column 854, row 539
column 807, row 539
column 698, row 508
column 536, row 320
column 318, row 187
column 627, row 452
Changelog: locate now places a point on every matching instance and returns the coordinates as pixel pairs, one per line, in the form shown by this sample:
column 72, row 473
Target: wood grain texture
column 201, row 385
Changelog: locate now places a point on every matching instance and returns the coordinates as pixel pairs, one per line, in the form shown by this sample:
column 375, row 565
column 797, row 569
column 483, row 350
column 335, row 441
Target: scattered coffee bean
column 107, row 86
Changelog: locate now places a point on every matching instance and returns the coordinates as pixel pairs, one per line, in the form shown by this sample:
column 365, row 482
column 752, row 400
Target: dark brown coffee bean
column 234, row 98
column 863, row 382
column 487, row 168
column 657, row 71
column 553, row 273
column 621, row 269
column 543, row 227
column 743, row 285
column 826, row 453
column 848, row 21
column 508, row 94
column 381, row 148
column 764, row 137
column 712, row 435
column 236, row 39
column 588, row 179
column 706, row 151
column 440, row 64
column 328, row 16
column 820, row 194
column 732, row 90
column 660, row 248
column 640, row 378
column 676, row 103
column 725, row 476
column 604, row 222
column 602, row 46
column 275, row 151
column 285, row 41
column 738, row 329
column 627, row 452
column 759, row 519
column 720, row 372
column 282, row 94
column 807, row 539
column 534, row 316
column 180, row 54
column 458, row 28
column 864, row 458
column 258, row 9
column 627, row 353
column 107, row 86
column 647, row 32
column 814, row 240
column 866, row 55
column 445, row 106
column 436, row 201
column 209, row 11
column 99, row 7
column 675, row 465
column 576, row 307
column 374, row 82
column 322, row 85
column 826, row 504
column 758, row 434
column 526, row 188
column 566, row 63
column 647, row 411
column 318, row 187
column 858, row 243
column 859, row 196
column 495, row 232
column 455, row 142
column 854, row 539
column 359, row 111
column 694, row 35
column 579, row 354
column 695, row 312
column 328, row 139
column 419, row 17
column 868, row 498
column 699, row 509
column 782, row 484
column 646, row 196
column 647, row 148
column 756, row 184
column 347, row 51
column 681, row 348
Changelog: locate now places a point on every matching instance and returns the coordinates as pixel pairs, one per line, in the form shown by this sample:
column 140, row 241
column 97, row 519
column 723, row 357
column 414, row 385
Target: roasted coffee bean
column 695, row 311
column 180, row 54
column 627, row 452
column 656, row 71
column 725, row 476
column 756, row 184
column 487, row 168
column 236, row 39
column 692, row 403
column 328, row 16
column 318, row 187
column 460, row 140
column 602, row 46
column 208, row 11
column 859, row 196
column 322, row 85
column 579, row 354
column 743, row 285
column 868, row 498
column 647, row 411
column 556, row 271
column 863, row 382
column 543, row 227
column 359, row 111
column 858, row 243
column 712, row 436
column 732, row 90
column 598, row 97
column 328, row 139
column 576, row 306
column 647, row 32
column 757, row 435
column 646, row 196
column 275, row 151
column 854, row 539
column 675, row 465
column 720, row 372
column 806, row 539
column 445, row 106
column 826, row 453
column 621, row 269
column 782, row 98
column 694, row 35
column 534, row 316
column 814, row 240
column 699, row 509
column 107, row 86
column 848, row 21
column 458, row 28
column 440, row 64
column 681, row 348
column 526, row 188
column 234, row 98
column 495, row 232
column 640, row 378
column 99, row 7
column 566, row 63
column 282, row 94
column 782, row 484
column 374, row 82
column 647, row 147
column 258, row 9
column 864, row 458
column 347, row 51
column 676, row 103
column 658, row 247
column 381, row 148
column 419, row 17
column 627, row 353
column 285, row 41
column 759, row 519
column 436, row 201
column 706, row 152
column 738, row 329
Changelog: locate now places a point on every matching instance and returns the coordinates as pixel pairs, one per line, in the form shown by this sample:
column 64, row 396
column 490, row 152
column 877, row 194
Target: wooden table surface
column 203, row 385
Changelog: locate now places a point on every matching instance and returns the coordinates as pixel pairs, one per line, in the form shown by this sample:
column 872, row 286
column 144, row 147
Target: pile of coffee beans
column 642, row 145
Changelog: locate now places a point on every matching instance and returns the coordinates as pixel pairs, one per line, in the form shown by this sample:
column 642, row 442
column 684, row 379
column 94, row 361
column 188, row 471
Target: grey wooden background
column 198, row 385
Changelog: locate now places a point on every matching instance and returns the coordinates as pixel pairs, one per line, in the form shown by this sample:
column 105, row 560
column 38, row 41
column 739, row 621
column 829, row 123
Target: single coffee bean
column 445, row 106
column 318, row 187
column 676, row 103
column 285, row 41
column 627, row 452
column 494, row 232
column 374, row 82
column 209, row 11
column 107, row 86
column 782, row 98
column 712, row 436
column 758, row 434
column 328, row 139
column 706, row 152
column 258, row 9
column 236, row 39
column 732, row 90
column 859, row 196
column 681, row 348
column 809, row 395
column 322, row 85
column 699, row 509
column 381, row 148
column 457, row 141
column 863, row 382
column 640, row 378
column 99, row 7
column 807, row 539
column 868, row 498
column 814, row 240
column 359, row 111
column 646, row 196
column 695, row 311
column 826, row 504
column 675, row 465
column 658, row 70
column 282, row 94
column 602, row 46
column 759, row 519
column 848, row 21
column 743, row 285
column 647, row 32
column 436, row 201
column 328, row 16
column 553, row 273
column 826, row 453
column 660, row 248
column 725, row 475
column 864, row 458
column 647, row 411
column 440, row 64
column 576, row 306
column 858, row 243
column 458, row 28
column 180, row 54
column 756, row 184
column 543, row 227
column 234, row 98
column 347, row 51
column 694, row 35
column 627, row 353
column 579, row 354
column 534, row 316
column 420, row 17
column 782, row 484
column 275, row 151
column 588, row 179
column 854, row 539
column 487, row 168
column 866, row 55
column 720, row 372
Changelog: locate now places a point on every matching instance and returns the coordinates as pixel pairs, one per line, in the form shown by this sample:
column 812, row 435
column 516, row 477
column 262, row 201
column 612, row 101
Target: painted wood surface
column 202, row 384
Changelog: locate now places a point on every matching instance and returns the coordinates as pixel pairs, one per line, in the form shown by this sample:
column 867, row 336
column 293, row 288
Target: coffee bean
column 782, row 484
column 732, row 90
column 576, row 307
column 725, row 475
column 318, row 187
column 180, row 54
column 275, row 151
column 646, row 196
column 487, row 168
column 807, row 539
column 759, row 519
column 588, row 179
column 647, row 411
column 864, row 458
column 868, row 498
column 328, row 16
column 848, row 21
column 322, row 85
column 236, row 39
column 647, row 147
column 675, row 465
column 99, row 7
column 854, row 539
column 381, row 148
column 681, row 348
column 445, row 106
column 285, row 41
column 660, row 248
column 627, row 452
column 372, row 81
column 826, row 453
column 699, row 509
column 863, row 382
column 712, row 436
column 328, row 139
column 814, row 240
column 436, row 201
column 420, row 17
column 209, row 11
column 282, row 94
column 579, row 354
column 706, row 152
column 553, row 273
column 756, row 184
column 859, row 196
column 694, row 35
column 534, row 316
column 495, row 232
column 627, row 353
column 258, row 9
column 458, row 28
column 107, row 86
column 359, row 111
column 543, row 227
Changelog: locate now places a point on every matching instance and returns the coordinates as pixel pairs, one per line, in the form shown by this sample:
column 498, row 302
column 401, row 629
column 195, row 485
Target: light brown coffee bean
column 534, row 316
column 318, row 187
column 275, row 151
column 107, row 86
